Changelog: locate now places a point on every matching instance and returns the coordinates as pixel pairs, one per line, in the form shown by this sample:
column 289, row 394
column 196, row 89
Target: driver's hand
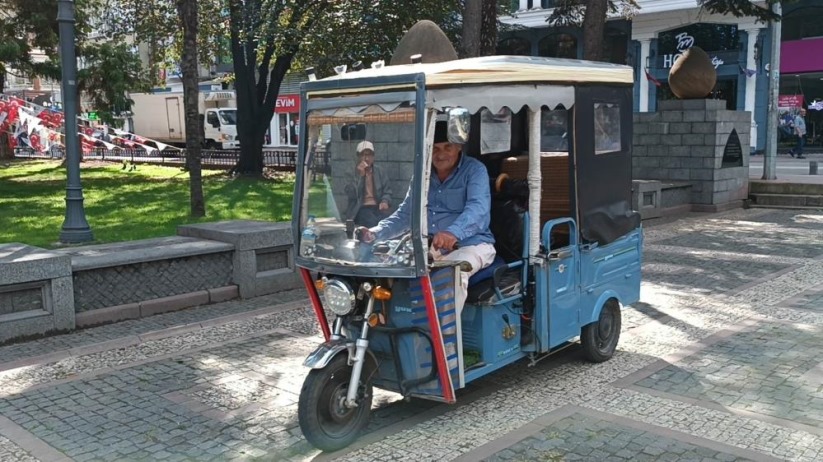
column 444, row 240
column 364, row 234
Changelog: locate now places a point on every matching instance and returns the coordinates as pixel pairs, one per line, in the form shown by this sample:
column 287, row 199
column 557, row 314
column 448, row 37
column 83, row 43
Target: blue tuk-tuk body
column 555, row 136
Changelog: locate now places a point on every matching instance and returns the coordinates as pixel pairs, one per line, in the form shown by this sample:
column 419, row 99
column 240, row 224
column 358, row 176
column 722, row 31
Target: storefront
column 652, row 41
column 801, row 66
column 721, row 43
column 285, row 125
column 736, row 47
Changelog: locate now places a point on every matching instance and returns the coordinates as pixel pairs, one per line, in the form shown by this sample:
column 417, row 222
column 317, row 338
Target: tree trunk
column 187, row 10
column 488, row 28
column 5, row 151
column 472, row 20
column 594, row 22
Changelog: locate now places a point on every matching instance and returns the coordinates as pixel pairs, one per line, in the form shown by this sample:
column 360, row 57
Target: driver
column 458, row 212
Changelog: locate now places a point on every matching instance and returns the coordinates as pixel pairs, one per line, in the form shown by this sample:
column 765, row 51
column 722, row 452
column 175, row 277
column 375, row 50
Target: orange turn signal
column 374, row 320
column 320, row 284
column 381, row 293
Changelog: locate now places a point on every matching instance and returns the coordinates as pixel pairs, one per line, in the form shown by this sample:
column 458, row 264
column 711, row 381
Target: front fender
column 601, row 301
column 323, row 354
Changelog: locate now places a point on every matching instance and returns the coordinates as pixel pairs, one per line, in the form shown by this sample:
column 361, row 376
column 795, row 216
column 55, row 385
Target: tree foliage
column 157, row 26
column 354, row 30
column 269, row 38
column 591, row 16
column 27, row 26
column 741, row 8
column 108, row 70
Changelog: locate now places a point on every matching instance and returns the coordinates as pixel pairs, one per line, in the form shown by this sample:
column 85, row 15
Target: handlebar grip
column 454, row 247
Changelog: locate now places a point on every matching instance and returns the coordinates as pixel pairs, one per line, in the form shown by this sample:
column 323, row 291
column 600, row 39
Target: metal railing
column 284, row 160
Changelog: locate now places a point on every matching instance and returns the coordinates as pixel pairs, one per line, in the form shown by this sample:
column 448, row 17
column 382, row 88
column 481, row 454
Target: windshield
column 360, row 163
column 228, row 116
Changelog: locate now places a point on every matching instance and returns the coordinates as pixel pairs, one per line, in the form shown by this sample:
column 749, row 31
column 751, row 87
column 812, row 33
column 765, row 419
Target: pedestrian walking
column 800, row 131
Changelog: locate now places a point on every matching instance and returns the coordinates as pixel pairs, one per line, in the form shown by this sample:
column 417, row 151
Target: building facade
column 661, row 30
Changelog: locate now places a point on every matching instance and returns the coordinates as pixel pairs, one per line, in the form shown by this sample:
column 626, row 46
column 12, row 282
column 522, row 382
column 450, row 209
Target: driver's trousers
column 479, row 256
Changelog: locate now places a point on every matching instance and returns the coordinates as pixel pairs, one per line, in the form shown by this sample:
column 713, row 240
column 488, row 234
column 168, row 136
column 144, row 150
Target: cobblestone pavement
column 721, row 360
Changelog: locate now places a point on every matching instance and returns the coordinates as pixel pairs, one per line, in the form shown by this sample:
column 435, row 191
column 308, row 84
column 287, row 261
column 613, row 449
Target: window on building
column 558, row 46
column 615, row 46
column 802, row 23
column 514, row 46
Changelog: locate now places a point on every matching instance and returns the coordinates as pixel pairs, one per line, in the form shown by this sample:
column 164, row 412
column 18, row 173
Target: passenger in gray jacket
column 370, row 195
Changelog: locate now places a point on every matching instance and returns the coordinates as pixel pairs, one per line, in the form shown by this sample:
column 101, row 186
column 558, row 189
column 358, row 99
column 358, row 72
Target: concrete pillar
column 524, row 5
column 644, row 82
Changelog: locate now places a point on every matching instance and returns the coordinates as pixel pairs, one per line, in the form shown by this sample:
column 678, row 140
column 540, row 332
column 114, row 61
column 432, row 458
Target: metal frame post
column 75, row 227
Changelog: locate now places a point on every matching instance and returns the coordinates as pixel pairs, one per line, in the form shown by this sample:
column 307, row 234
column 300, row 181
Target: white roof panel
column 504, row 69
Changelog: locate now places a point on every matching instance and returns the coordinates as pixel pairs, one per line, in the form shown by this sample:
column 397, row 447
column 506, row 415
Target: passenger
column 370, row 196
column 459, row 210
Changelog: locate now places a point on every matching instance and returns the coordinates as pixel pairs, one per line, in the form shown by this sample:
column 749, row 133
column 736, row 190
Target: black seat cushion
column 481, row 284
column 507, row 226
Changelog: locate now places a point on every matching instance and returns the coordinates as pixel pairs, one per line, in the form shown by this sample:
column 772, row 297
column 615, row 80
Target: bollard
column 812, row 167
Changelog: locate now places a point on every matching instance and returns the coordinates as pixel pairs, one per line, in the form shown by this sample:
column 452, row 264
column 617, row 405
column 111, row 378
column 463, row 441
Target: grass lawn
column 122, row 205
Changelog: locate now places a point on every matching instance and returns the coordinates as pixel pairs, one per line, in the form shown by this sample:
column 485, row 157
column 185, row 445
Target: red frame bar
column 437, row 339
column 315, row 303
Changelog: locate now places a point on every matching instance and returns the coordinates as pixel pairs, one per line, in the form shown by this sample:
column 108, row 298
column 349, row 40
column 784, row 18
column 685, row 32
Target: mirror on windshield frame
column 353, row 132
column 459, row 122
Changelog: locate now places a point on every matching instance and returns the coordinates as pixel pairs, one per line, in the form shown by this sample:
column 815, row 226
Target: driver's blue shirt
column 460, row 205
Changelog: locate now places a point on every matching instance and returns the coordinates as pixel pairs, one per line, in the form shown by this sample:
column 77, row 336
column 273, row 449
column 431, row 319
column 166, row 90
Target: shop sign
column 789, row 101
column 287, row 103
column 686, row 41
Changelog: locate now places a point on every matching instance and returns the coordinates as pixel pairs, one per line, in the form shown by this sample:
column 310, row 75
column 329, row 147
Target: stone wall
column 44, row 291
column 685, row 141
column 35, row 292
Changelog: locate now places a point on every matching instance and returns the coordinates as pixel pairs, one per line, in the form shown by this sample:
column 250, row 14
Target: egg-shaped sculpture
column 693, row 75
column 427, row 39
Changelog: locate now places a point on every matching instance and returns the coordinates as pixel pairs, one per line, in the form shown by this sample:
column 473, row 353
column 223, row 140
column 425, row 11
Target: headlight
column 339, row 297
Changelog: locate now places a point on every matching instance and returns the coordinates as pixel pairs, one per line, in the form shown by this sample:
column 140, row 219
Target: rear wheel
column 600, row 338
column 325, row 420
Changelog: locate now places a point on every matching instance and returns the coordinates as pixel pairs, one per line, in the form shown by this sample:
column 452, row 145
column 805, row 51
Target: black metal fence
column 284, row 160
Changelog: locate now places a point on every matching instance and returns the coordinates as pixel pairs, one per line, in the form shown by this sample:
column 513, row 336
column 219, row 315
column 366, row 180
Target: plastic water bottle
column 309, row 237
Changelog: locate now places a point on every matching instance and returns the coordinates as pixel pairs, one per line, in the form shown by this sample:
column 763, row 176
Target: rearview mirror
column 459, row 123
column 353, row 132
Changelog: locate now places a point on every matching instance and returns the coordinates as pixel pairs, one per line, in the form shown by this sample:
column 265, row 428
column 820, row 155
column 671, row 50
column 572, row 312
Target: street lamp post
column 770, row 154
column 75, row 227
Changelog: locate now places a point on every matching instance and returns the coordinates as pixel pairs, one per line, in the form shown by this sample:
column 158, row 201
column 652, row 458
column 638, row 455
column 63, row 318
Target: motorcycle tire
column 324, row 420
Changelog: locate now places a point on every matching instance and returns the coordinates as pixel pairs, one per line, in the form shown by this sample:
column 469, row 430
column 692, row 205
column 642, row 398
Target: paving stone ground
column 721, row 360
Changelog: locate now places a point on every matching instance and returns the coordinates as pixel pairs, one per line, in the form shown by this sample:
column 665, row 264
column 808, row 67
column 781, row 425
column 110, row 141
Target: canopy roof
column 504, row 69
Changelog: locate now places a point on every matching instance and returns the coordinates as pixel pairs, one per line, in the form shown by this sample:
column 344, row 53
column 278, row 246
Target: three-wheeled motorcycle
column 555, row 137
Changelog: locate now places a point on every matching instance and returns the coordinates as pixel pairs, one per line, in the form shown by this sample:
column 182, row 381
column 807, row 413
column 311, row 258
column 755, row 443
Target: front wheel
column 600, row 338
column 325, row 420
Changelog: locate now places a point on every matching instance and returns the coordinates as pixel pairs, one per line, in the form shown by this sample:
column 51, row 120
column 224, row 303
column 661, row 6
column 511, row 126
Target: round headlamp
column 339, row 297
